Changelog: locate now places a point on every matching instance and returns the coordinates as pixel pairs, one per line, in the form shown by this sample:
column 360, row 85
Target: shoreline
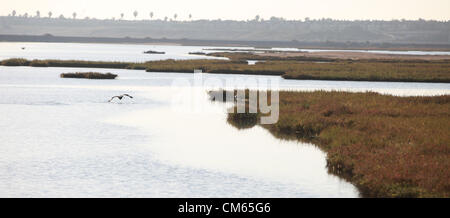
column 383, row 151
column 48, row 38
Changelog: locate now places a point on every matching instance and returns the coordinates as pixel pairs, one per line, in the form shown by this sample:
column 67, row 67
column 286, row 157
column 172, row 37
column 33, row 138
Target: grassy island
column 88, row 75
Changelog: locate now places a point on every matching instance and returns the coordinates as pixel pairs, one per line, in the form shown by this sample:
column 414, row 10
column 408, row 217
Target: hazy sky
column 237, row 9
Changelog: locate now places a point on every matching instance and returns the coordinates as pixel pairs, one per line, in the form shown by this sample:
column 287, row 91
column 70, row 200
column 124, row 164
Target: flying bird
column 120, row 97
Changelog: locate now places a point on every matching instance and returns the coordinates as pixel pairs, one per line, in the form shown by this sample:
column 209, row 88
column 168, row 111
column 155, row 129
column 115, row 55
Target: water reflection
column 206, row 141
column 62, row 138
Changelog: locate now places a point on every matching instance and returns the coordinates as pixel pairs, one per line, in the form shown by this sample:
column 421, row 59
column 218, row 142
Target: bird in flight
column 120, row 97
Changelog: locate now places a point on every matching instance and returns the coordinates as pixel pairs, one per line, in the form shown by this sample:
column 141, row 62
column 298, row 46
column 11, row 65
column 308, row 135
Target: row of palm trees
column 74, row 15
column 135, row 14
column 38, row 14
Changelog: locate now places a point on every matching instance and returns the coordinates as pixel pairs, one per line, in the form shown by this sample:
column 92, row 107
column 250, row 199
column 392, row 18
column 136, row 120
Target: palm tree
column 14, row 13
column 135, row 13
column 74, row 15
column 38, row 14
column 151, row 15
column 175, row 16
column 50, row 14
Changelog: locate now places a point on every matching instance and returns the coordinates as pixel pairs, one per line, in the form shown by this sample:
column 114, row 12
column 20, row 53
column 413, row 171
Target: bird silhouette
column 120, row 97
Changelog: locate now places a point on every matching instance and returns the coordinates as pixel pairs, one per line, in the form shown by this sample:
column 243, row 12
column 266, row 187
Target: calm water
column 61, row 138
column 97, row 52
column 134, row 52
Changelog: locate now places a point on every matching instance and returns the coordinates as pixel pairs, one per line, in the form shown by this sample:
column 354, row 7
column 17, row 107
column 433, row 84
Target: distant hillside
column 325, row 30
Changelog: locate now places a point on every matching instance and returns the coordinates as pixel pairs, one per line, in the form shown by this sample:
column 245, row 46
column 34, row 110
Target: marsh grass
column 251, row 56
column 372, row 71
column 72, row 63
column 312, row 68
column 387, row 146
column 365, row 70
column 243, row 120
column 88, row 75
column 15, row 62
column 210, row 66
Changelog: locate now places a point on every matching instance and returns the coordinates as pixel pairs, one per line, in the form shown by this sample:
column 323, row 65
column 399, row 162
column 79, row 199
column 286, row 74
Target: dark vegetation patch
column 88, row 75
